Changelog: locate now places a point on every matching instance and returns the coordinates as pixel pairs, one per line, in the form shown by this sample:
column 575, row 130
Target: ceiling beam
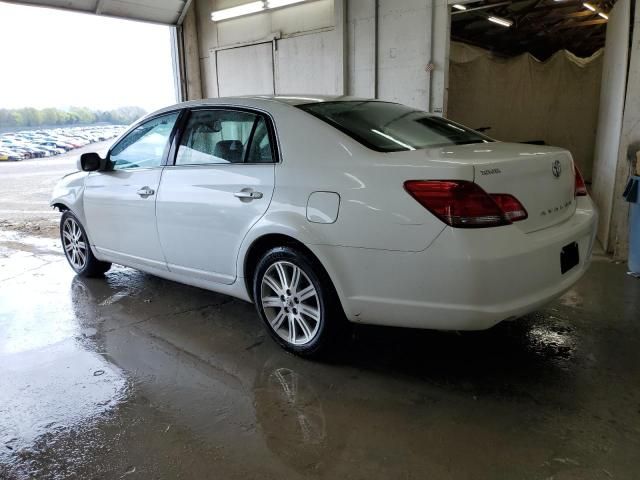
column 541, row 27
column 561, row 5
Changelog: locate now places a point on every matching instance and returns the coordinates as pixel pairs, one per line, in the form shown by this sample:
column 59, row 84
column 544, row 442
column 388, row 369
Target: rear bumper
column 467, row 279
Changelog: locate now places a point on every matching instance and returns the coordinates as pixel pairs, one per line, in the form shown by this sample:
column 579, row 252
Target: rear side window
column 224, row 136
column 260, row 148
column 391, row 127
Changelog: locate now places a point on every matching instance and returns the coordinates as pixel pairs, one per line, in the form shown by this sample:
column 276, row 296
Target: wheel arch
column 68, row 194
column 77, row 212
column 63, row 206
column 60, row 206
column 260, row 245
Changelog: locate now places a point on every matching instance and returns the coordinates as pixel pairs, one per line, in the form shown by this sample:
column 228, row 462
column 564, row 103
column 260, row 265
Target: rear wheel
column 297, row 302
column 77, row 249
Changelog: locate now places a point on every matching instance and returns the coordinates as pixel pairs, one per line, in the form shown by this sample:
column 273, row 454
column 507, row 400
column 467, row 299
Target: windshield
column 391, row 127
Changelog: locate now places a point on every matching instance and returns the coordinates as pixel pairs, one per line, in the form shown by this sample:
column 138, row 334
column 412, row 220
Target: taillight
column 580, row 188
column 510, row 205
column 463, row 204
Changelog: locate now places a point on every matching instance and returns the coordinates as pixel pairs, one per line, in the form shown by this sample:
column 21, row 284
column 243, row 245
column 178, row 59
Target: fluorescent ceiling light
column 249, row 8
column 238, row 11
column 455, row 126
column 603, row 15
column 457, row 6
column 281, row 3
column 394, row 140
column 307, row 99
column 589, row 6
column 500, row 21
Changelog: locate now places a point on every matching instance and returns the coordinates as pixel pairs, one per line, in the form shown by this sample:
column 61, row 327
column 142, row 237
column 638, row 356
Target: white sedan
column 321, row 210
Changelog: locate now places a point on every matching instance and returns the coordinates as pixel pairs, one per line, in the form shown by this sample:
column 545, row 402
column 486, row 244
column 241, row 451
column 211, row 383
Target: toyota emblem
column 556, row 168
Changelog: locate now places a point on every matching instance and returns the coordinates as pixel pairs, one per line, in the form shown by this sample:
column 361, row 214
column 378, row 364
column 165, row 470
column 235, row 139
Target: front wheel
column 77, row 249
column 297, row 302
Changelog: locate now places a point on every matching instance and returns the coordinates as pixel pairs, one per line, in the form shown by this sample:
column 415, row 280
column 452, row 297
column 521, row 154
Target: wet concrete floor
column 132, row 376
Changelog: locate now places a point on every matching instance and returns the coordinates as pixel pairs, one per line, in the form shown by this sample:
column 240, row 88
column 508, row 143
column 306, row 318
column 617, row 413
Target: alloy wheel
column 291, row 303
column 74, row 243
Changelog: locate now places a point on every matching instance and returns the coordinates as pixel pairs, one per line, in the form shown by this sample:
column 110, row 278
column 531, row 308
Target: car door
column 218, row 187
column 120, row 203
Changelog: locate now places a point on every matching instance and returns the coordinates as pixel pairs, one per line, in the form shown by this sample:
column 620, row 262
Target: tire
column 293, row 293
column 77, row 249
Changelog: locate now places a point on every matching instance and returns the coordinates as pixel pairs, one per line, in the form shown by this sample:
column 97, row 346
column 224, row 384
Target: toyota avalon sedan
column 329, row 210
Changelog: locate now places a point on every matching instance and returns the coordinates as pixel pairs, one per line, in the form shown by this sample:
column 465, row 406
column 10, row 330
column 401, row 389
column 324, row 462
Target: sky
column 54, row 58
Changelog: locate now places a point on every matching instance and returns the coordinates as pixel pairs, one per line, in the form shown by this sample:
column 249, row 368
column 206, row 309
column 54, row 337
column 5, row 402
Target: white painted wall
column 245, row 70
column 612, row 97
column 440, row 57
column 361, row 52
column 404, row 51
column 307, row 64
column 289, row 25
column 286, row 21
column 329, row 46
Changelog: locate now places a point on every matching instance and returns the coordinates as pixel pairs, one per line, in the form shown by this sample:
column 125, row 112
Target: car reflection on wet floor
column 134, row 375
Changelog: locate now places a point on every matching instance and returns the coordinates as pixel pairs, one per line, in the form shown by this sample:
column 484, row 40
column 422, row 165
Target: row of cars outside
column 48, row 142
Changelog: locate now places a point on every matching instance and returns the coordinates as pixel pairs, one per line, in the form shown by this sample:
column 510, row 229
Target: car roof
column 262, row 101
column 303, row 99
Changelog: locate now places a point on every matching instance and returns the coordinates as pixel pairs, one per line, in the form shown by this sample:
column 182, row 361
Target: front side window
column 144, row 146
column 224, row 136
column 391, row 127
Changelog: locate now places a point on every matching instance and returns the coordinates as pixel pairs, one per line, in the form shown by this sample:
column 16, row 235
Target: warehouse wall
column 333, row 47
column 404, row 40
column 313, row 19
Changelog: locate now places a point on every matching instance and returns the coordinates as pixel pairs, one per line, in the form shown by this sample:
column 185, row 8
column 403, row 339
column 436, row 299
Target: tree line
column 33, row 117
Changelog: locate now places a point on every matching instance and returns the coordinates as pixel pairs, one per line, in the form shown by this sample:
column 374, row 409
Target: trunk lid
column 542, row 178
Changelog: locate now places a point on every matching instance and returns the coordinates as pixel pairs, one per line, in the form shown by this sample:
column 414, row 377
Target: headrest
column 230, row 150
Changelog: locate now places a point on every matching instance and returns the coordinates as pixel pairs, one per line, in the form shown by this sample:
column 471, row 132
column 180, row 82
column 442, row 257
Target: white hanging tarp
column 524, row 99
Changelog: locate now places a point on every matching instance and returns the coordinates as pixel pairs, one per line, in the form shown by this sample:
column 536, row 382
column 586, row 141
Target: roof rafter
column 539, row 26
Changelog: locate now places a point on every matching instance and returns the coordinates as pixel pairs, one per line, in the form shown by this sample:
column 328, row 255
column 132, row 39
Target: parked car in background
column 21, row 150
column 47, row 142
column 51, row 150
column 10, row 155
column 322, row 210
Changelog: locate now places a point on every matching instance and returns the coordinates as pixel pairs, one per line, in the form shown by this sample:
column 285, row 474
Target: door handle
column 248, row 195
column 145, row 192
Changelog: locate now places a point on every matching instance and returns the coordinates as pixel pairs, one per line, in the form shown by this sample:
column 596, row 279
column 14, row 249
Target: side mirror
column 92, row 162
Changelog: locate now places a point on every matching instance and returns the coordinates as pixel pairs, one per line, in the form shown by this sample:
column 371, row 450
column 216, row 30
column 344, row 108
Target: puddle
column 48, row 381
column 11, row 241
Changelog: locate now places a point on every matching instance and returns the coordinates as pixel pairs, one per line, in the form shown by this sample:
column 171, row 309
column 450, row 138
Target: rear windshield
column 391, row 127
